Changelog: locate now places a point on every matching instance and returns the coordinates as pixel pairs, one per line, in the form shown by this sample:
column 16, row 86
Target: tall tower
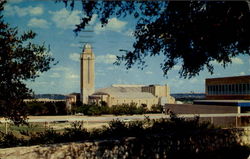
column 87, row 73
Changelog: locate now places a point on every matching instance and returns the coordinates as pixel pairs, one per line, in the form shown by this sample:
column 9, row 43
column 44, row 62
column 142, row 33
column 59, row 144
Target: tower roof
column 87, row 48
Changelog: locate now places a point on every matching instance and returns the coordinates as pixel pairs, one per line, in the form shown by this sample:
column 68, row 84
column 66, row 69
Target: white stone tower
column 87, row 73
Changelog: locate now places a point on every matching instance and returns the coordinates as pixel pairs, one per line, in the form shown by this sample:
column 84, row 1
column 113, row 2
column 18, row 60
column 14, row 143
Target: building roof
column 230, row 77
column 240, row 103
column 124, row 92
column 127, row 85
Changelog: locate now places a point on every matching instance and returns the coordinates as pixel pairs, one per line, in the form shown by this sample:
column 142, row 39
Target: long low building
column 44, row 100
column 139, row 94
column 237, row 87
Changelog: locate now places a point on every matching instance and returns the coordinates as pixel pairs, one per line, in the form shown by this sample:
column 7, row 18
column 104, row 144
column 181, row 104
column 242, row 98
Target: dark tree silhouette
column 20, row 60
column 192, row 32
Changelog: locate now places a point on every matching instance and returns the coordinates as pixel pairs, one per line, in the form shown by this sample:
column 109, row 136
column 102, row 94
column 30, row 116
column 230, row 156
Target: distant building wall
column 111, row 100
column 44, row 100
column 147, row 95
column 237, row 87
column 200, row 109
column 159, row 91
column 139, row 101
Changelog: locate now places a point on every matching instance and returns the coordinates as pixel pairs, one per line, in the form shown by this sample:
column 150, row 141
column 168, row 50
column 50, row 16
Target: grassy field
column 40, row 127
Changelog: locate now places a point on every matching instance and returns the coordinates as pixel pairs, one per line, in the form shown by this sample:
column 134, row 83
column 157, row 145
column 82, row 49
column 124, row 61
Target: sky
column 54, row 25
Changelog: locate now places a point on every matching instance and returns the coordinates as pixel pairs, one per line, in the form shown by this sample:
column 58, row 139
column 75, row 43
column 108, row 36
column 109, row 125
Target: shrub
column 156, row 108
column 51, row 108
column 10, row 140
column 36, row 108
column 61, row 108
column 49, row 136
column 76, row 132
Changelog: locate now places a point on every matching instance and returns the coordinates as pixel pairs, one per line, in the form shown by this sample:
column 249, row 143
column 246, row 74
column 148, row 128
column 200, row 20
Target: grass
column 32, row 128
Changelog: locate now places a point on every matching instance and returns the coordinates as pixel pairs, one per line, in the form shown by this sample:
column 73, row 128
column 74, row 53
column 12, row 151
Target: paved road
column 106, row 118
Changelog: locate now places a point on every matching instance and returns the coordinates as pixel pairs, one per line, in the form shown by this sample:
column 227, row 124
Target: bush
column 37, row 108
column 10, row 140
column 51, row 108
column 61, row 108
column 75, row 133
column 156, row 108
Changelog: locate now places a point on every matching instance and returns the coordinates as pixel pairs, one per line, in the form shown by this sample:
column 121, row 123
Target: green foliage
column 36, row 108
column 49, row 136
column 50, row 108
column 9, row 140
column 193, row 33
column 123, row 109
column 156, row 108
column 75, row 133
column 61, row 108
column 128, row 109
column 20, row 60
column 89, row 109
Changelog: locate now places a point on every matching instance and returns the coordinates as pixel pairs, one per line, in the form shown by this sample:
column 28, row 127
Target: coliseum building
column 118, row 94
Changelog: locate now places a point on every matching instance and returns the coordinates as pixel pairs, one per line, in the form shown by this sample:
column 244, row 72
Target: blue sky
column 54, row 25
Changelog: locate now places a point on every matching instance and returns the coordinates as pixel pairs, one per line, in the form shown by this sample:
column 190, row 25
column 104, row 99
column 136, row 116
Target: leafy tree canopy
column 192, row 32
column 20, row 60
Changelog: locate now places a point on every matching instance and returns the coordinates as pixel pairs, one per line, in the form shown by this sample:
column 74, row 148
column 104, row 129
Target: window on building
column 230, row 89
column 214, row 89
column 233, row 89
column 248, row 88
column 244, row 88
column 226, row 89
column 222, row 89
column 236, row 88
column 240, row 89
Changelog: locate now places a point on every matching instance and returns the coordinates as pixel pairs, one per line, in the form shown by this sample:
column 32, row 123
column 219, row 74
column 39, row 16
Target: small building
column 232, row 88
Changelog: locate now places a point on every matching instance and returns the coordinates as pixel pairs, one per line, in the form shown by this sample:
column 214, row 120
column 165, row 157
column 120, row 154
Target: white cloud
column 36, row 10
column 100, row 73
column 112, row 67
column 38, row 23
column 65, row 19
column 61, row 68
column 149, row 72
column 72, row 76
column 113, row 25
column 65, row 72
column 214, row 62
column 75, row 45
column 129, row 33
column 242, row 73
column 55, row 75
column 15, row 1
column 19, row 11
column 193, row 80
column 93, row 19
column 177, row 67
column 237, row 61
column 107, row 59
column 74, row 57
